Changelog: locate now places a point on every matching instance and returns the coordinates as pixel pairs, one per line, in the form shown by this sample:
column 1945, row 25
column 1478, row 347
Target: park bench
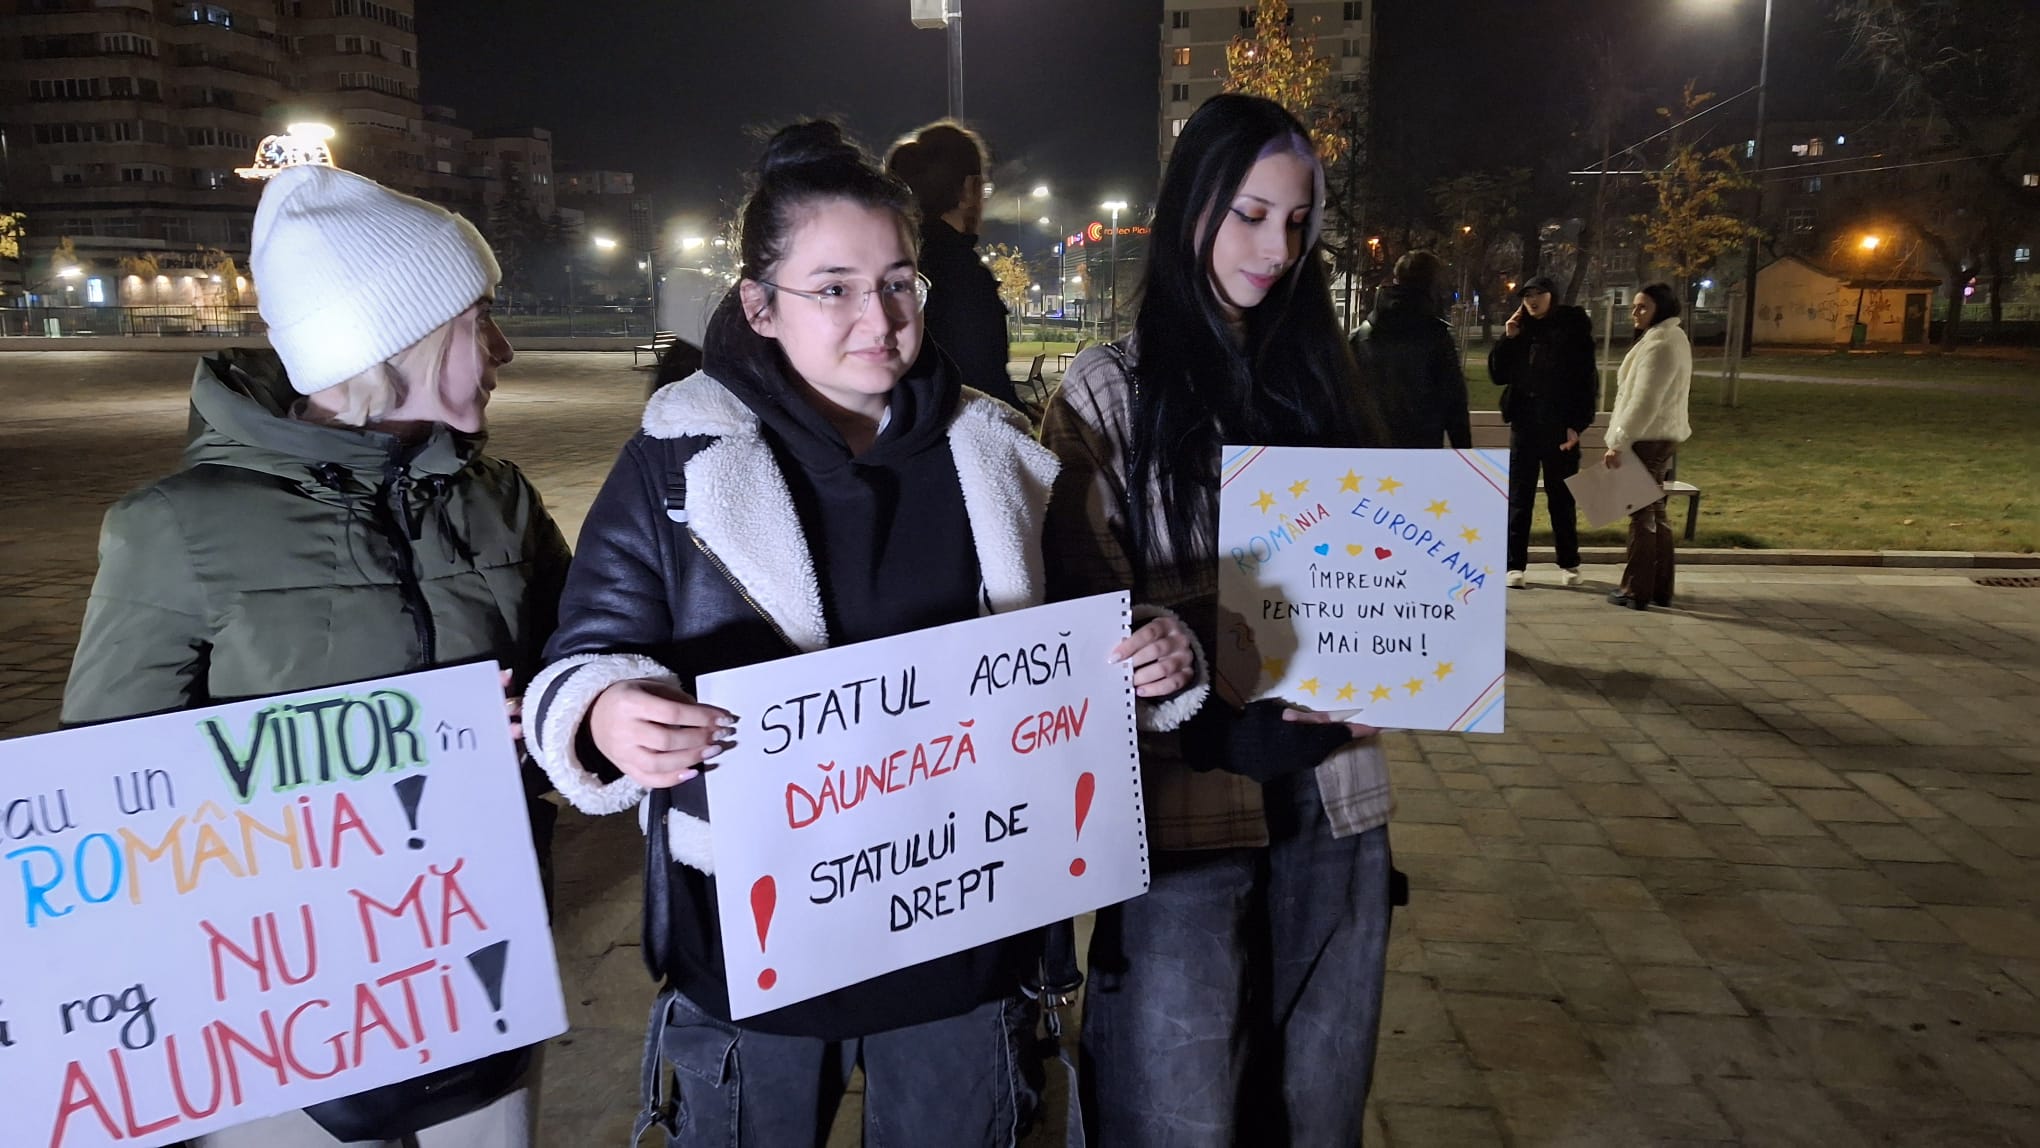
column 1490, row 433
column 657, row 347
column 1035, row 384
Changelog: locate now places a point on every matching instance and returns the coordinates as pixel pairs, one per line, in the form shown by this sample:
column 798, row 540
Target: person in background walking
column 1545, row 363
column 1410, row 361
column 945, row 164
column 337, row 520
column 1238, row 1001
column 1650, row 419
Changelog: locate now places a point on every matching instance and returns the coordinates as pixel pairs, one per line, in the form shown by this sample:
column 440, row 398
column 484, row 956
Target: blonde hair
column 364, row 400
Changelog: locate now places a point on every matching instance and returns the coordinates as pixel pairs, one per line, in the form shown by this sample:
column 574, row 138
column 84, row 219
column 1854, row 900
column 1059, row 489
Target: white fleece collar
column 739, row 506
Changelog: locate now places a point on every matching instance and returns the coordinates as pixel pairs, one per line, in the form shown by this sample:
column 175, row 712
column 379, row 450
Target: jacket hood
column 917, row 417
column 240, row 416
column 1401, row 306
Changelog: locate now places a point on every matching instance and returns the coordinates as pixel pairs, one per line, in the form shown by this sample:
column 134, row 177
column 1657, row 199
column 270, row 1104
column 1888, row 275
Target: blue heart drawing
column 1323, row 548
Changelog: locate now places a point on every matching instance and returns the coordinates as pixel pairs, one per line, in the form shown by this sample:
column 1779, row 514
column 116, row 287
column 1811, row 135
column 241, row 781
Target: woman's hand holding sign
column 1161, row 658
column 656, row 733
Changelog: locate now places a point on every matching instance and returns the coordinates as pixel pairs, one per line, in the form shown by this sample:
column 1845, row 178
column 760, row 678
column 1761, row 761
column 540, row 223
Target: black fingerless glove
column 1255, row 742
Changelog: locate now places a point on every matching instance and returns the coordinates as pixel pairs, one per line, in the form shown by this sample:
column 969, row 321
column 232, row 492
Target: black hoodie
column 1410, row 361
column 965, row 317
column 1550, row 371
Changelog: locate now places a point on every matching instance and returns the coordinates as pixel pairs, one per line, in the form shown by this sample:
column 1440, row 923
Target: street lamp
column 1115, row 206
column 1858, row 334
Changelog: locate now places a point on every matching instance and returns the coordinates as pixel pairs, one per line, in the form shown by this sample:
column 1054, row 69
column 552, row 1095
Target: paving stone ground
column 1757, row 870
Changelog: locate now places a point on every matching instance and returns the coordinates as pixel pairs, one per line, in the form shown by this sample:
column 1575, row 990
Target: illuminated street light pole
column 1115, row 206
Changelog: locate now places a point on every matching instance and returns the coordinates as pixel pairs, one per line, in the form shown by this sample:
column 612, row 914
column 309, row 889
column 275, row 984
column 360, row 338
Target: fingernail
column 727, row 721
column 711, row 751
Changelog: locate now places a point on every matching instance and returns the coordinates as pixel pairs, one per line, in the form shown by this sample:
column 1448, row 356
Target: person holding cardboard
column 825, row 479
column 337, row 519
column 1650, row 418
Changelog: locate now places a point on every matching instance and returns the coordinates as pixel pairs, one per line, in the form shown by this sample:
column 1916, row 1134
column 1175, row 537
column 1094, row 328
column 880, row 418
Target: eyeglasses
column 845, row 303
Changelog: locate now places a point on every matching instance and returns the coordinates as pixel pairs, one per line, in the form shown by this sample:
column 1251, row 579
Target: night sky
column 1064, row 90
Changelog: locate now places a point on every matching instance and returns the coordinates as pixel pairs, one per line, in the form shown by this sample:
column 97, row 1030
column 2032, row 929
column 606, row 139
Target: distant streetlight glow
column 1040, row 191
column 690, row 242
column 1871, row 242
column 605, row 243
column 70, row 273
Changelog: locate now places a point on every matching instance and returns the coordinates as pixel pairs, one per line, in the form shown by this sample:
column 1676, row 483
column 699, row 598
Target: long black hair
column 1292, row 382
column 803, row 164
column 1664, row 299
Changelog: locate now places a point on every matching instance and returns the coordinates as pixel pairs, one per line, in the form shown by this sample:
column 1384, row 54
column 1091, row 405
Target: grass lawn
column 1834, row 467
column 2011, row 370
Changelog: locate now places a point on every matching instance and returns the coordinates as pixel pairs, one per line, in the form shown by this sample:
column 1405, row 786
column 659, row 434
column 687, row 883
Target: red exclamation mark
column 764, row 898
column 1087, row 787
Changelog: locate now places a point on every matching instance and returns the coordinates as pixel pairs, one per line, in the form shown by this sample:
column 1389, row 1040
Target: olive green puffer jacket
column 288, row 556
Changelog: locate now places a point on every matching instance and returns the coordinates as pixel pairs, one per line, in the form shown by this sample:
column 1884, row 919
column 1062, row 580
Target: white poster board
column 213, row 916
column 894, row 801
column 1366, row 583
column 1607, row 494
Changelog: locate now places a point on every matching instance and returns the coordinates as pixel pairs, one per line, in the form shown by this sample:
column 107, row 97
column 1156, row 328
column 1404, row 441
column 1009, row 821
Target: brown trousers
column 1648, row 577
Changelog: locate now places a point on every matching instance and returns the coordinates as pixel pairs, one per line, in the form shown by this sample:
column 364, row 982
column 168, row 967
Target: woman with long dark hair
column 824, row 479
column 1238, row 1000
column 1650, row 419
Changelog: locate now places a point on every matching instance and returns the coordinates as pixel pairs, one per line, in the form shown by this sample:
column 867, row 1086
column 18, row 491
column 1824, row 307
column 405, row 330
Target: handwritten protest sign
column 898, row 800
column 212, row 916
column 1365, row 582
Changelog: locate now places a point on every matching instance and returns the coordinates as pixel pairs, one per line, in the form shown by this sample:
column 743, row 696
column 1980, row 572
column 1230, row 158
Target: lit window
column 1176, row 127
column 1182, row 57
column 2030, row 179
column 1749, row 149
column 1814, row 146
column 1799, row 219
column 2022, row 255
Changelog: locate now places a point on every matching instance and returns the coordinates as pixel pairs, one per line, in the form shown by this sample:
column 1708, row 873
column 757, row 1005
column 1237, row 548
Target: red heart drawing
column 1382, row 552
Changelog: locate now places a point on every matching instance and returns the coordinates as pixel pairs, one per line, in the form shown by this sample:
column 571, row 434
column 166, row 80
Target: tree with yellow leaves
column 1270, row 61
column 1692, row 226
column 1011, row 271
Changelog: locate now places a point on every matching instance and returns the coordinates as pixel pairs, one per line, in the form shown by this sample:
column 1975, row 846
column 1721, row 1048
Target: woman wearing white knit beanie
column 338, row 520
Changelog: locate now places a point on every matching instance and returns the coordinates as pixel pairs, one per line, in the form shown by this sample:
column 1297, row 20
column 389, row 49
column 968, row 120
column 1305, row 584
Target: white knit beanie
column 349, row 272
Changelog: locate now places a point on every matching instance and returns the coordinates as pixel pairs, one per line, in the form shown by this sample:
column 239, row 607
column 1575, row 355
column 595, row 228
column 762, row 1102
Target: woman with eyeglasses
column 821, row 481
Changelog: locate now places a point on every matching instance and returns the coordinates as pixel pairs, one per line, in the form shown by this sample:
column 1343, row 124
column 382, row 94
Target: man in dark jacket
column 1545, row 362
column 945, row 165
column 1411, row 361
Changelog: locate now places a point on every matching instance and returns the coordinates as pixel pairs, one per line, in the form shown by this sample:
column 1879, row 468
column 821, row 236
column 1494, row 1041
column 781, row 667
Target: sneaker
column 1515, row 579
column 1572, row 575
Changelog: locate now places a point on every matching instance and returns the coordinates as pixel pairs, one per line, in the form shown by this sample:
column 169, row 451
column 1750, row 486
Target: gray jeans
column 1238, row 1001
column 954, row 1083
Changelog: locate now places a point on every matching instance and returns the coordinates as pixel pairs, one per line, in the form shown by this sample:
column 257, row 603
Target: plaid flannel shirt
column 1089, row 427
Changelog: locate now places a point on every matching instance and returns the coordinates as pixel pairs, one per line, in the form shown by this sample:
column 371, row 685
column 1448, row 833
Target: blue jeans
column 1238, row 1001
column 954, row 1083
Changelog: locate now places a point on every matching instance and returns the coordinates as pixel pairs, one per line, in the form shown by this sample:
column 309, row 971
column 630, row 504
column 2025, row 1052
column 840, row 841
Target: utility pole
column 1749, row 324
column 948, row 16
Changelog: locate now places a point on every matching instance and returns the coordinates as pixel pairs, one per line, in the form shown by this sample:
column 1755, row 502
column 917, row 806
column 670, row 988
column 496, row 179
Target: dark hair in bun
column 804, row 162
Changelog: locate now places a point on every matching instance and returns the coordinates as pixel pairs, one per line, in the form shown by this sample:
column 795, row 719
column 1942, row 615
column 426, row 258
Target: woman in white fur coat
column 825, row 479
column 1650, row 419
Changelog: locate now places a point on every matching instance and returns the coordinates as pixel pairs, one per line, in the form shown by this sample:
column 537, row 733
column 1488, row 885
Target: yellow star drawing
column 1299, row 488
column 1345, row 693
column 1415, row 686
column 1438, row 509
column 1443, row 671
column 1381, row 694
column 1350, row 483
column 1264, row 502
column 1308, row 685
column 1470, row 534
column 1389, row 486
column 1273, row 667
